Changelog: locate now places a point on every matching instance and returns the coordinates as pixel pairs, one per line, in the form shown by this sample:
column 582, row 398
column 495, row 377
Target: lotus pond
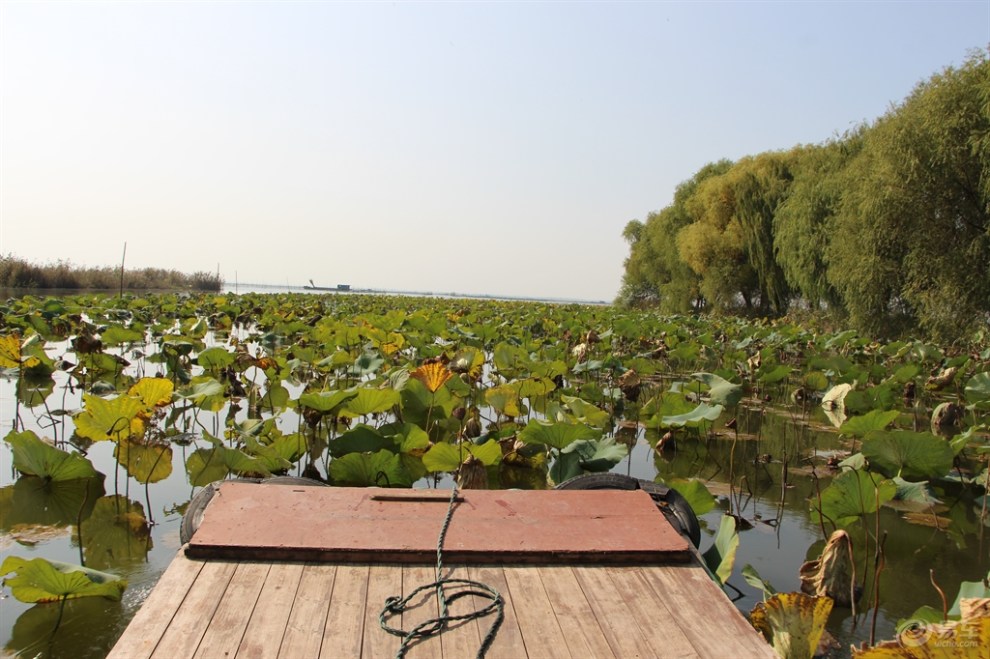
column 116, row 411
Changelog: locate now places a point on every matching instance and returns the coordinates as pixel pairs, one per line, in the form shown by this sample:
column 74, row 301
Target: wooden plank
column 697, row 604
column 278, row 522
column 271, row 614
column 609, row 607
column 226, row 629
column 509, row 642
column 152, row 619
column 651, row 614
column 574, row 614
column 305, row 628
column 461, row 639
column 345, row 624
column 384, row 581
column 541, row 633
column 420, row 608
column 191, row 620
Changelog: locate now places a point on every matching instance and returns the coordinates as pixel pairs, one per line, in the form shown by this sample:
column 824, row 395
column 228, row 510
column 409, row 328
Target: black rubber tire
column 193, row 516
column 674, row 506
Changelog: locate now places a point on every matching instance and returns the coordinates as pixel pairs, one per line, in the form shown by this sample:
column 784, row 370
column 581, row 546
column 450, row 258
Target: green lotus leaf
column 382, row 469
column 850, row 495
column 370, row 401
column 774, row 375
column 754, row 579
column 205, row 465
column 146, row 463
column 534, row 387
column 266, row 455
column 275, row 398
column 721, row 391
column 326, row 401
column 215, row 358
column 906, row 373
column 586, row 412
column 597, row 454
column 695, row 492
column 366, row 364
column 721, row 556
column 116, row 335
column 556, row 435
column 206, row 393
column 444, row 457
column 113, row 418
column 912, row 455
column 565, row 466
column 978, row 389
column 360, row 439
column 34, row 457
column 41, row 580
column 860, row 426
column 703, row 412
column 504, row 399
column 670, row 403
column 290, row 447
column 408, row 437
column 919, row 494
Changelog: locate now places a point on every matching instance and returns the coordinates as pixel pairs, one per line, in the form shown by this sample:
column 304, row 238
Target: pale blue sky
column 472, row 147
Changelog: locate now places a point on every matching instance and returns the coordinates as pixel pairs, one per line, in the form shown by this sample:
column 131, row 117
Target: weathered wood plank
column 541, row 633
column 383, row 582
column 345, row 624
column 307, row 621
column 461, row 639
column 609, row 607
column 271, row 614
column 509, row 642
column 652, row 615
column 697, row 605
column 421, row 608
column 191, row 620
column 231, row 618
column 152, row 619
column 574, row 614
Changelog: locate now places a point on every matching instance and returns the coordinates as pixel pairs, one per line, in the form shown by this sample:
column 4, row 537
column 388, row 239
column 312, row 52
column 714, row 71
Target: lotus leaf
column 153, row 392
column 146, row 463
column 10, row 353
column 586, row 412
column 852, row 494
column 504, row 399
column 206, row 393
column 268, row 456
column 597, row 454
column 792, row 622
column 695, row 492
column 118, row 334
column 360, row 439
column 34, row 501
column 860, row 426
column 34, row 389
column 114, row 418
column 721, row 556
column 720, row 391
column 370, row 401
column 833, row 573
column 408, row 437
column 978, row 389
column 215, row 359
column 382, row 469
column 911, row 455
column 556, row 435
column 327, row 402
column 41, row 580
column 34, row 457
column 366, row 364
column 703, row 412
column 754, row 579
column 444, row 457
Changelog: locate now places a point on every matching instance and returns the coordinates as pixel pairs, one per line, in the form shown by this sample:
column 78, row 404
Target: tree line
column 886, row 227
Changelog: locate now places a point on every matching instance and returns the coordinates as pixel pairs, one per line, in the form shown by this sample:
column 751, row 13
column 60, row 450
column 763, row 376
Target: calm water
column 37, row 521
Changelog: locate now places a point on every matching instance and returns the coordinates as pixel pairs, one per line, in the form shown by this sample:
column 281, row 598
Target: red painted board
column 283, row 522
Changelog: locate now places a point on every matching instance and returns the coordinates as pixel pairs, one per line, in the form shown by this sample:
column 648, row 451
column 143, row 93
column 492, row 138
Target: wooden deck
column 305, row 572
column 222, row 608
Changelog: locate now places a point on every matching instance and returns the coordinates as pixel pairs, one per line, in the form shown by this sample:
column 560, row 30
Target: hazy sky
column 471, row 147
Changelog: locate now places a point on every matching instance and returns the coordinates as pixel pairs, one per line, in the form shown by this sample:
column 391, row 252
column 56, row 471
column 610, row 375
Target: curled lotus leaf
column 792, row 622
column 833, row 574
column 34, row 457
column 113, row 418
column 921, row 639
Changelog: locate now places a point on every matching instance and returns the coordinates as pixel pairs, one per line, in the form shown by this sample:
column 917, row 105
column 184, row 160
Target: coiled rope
column 461, row 588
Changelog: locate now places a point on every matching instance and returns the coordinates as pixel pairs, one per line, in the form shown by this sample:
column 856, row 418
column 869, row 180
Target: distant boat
column 339, row 287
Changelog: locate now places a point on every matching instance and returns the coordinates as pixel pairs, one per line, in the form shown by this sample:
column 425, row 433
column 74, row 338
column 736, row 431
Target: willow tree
column 912, row 237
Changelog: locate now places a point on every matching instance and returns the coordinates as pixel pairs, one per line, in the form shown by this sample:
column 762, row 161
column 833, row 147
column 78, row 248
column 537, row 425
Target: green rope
column 396, row 605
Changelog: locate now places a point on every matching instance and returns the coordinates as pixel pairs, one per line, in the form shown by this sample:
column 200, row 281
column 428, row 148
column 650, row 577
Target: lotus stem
column 941, row 593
